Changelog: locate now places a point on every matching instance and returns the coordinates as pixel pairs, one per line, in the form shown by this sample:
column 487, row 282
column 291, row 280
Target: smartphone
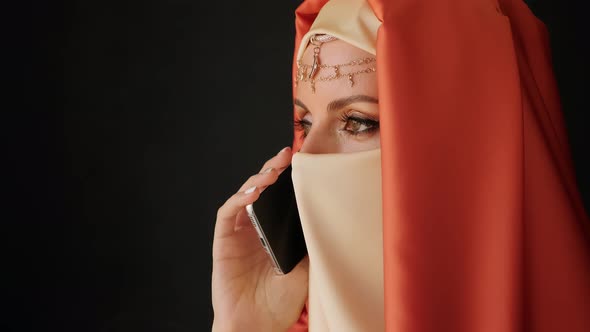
column 276, row 220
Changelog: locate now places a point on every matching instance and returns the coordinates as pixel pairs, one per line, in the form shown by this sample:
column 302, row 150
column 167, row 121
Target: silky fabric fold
column 352, row 21
column 483, row 225
column 339, row 202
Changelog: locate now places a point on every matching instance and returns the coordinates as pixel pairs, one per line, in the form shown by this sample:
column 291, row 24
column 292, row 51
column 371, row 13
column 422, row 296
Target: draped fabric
column 483, row 226
column 345, row 291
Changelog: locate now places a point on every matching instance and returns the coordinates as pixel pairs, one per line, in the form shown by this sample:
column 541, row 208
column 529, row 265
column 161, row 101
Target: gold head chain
column 307, row 73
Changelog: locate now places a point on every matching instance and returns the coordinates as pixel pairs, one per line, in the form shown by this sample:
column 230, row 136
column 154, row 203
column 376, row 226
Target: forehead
column 336, row 53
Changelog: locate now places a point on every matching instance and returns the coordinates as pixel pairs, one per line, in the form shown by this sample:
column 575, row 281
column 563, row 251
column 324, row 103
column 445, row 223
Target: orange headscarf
column 483, row 226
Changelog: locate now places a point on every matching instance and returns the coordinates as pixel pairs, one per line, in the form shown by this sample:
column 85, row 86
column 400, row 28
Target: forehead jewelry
column 302, row 71
column 307, row 73
column 317, row 41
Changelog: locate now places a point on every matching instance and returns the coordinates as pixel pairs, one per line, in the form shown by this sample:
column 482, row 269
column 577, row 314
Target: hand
column 247, row 294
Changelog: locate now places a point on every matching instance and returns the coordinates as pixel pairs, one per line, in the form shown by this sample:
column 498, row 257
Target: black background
column 128, row 125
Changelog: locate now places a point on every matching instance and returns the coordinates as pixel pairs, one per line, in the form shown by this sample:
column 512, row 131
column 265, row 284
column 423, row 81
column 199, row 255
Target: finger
column 261, row 180
column 280, row 161
column 270, row 171
column 226, row 215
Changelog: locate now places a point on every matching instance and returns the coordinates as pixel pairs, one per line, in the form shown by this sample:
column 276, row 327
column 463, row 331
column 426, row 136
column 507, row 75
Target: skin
column 246, row 293
column 327, row 133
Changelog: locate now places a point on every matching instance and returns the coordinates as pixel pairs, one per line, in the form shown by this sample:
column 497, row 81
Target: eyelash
column 300, row 126
column 373, row 125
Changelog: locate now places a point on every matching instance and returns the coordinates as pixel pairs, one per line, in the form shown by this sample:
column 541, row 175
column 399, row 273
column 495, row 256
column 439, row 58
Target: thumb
column 299, row 284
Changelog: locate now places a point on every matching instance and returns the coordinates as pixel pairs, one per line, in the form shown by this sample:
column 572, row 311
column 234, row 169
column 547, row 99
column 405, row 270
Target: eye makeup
column 302, row 126
column 356, row 125
column 353, row 123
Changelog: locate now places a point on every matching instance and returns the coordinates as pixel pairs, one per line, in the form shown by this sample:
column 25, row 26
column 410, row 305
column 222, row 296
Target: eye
column 354, row 125
column 303, row 126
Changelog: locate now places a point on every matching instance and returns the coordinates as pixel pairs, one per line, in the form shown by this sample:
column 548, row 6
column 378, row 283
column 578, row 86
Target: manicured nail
column 268, row 170
column 284, row 149
column 250, row 190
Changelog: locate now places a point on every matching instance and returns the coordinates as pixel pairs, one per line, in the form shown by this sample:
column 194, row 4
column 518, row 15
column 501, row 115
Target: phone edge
column 259, row 230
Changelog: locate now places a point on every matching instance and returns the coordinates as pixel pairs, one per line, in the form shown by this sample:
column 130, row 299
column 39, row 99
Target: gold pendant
column 316, row 60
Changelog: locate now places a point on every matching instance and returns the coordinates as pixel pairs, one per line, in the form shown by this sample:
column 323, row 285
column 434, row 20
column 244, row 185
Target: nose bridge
column 319, row 140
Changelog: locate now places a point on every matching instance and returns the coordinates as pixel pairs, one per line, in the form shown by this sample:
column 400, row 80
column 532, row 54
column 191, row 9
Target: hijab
column 482, row 223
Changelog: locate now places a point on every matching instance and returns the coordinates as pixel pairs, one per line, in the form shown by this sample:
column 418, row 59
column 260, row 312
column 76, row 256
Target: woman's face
column 338, row 118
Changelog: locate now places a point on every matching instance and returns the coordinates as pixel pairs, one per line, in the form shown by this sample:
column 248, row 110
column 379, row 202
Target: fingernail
column 268, row 170
column 284, row 149
column 250, row 190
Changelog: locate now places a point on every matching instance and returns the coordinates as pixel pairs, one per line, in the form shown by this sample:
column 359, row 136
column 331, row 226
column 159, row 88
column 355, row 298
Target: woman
column 482, row 225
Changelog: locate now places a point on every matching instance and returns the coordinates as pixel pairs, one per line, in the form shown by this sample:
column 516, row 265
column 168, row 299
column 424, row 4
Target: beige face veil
column 339, row 201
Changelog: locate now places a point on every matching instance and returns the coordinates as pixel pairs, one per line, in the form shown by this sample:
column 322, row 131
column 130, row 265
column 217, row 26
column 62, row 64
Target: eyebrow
column 341, row 102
